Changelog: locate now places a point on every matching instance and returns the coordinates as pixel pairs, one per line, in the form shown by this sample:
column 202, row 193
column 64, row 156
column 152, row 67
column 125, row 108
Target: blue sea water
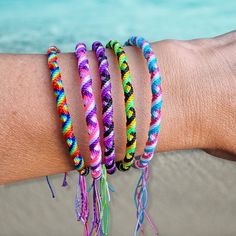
column 28, row 26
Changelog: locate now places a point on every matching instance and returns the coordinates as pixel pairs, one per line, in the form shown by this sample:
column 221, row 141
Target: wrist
column 184, row 103
column 218, row 75
column 198, row 80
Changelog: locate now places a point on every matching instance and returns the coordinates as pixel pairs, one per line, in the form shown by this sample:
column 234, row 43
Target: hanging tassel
column 65, row 183
column 97, row 212
column 50, row 187
column 141, row 200
column 101, row 197
column 105, row 196
column 82, row 203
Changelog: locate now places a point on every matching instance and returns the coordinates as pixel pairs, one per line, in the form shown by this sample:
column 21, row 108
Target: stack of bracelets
column 99, row 168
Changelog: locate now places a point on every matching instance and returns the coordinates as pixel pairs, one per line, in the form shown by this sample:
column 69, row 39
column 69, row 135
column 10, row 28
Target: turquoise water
column 31, row 26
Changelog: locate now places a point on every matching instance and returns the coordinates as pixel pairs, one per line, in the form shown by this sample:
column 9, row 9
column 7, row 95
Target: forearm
column 31, row 143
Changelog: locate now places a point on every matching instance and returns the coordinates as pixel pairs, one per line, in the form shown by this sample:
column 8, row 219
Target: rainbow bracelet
column 141, row 193
column 129, row 106
column 62, row 108
column 107, row 108
column 81, row 205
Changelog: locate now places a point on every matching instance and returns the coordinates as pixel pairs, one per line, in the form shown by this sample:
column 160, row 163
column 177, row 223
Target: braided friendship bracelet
column 63, row 111
column 81, row 205
column 107, row 108
column 129, row 106
column 90, row 110
column 93, row 132
column 141, row 192
column 154, row 129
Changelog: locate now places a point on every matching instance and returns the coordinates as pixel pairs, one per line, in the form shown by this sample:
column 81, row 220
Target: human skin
column 199, row 104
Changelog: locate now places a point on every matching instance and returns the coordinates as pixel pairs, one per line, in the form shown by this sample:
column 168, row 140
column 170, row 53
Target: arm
column 199, row 104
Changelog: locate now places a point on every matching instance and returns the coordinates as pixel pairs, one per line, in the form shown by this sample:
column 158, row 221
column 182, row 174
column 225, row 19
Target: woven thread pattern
column 153, row 134
column 90, row 110
column 107, row 108
column 63, row 111
column 129, row 105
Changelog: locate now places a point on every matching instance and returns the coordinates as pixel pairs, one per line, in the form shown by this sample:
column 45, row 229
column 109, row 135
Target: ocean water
column 191, row 193
column 28, row 26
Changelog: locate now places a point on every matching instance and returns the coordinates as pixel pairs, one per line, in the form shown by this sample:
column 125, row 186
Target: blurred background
column 191, row 193
column 31, row 26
